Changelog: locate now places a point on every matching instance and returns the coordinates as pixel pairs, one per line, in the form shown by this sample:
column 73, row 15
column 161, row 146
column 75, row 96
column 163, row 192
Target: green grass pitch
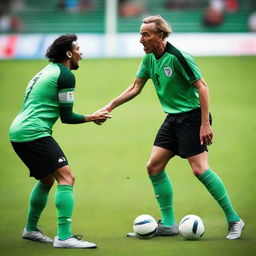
column 109, row 162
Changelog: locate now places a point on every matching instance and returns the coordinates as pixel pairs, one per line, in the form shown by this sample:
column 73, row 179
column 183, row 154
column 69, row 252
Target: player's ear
column 161, row 35
column 69, row 54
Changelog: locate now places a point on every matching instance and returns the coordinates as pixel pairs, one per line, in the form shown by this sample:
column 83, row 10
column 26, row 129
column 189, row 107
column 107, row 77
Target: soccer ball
column 191, row 227
column 144, row 226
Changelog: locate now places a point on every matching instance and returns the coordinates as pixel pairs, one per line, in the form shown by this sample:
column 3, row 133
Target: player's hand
column 99, row 122
column 104, row 109
column 206, row 134
column 99, row 116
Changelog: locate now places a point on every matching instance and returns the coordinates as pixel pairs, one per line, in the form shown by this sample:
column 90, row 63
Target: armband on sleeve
column 66, row 96
column 66, row 100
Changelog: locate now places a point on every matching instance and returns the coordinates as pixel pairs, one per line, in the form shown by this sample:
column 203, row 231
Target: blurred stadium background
column 110, row 27
column 112, row 187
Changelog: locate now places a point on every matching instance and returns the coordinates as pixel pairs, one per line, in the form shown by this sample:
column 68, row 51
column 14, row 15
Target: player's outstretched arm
column 131, row 92
column 69, row 117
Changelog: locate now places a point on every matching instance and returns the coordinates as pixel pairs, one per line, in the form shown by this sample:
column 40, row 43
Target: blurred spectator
column 9, row 21
column 86, row 4
column 183, row 4
column 130, row 8
column 69, row 5
column 214, row 14
column 217, row 5
column 75, row 5
column 252, row 22
column 231, row 5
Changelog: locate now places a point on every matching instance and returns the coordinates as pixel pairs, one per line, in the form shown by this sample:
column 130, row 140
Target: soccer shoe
column 163, row 230
column 131, row 234
column 235, row 229
column 73, row 242
column 37, row 236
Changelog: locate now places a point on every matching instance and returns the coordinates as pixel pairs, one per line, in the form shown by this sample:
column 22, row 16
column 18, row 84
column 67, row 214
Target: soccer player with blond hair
column 186, row 131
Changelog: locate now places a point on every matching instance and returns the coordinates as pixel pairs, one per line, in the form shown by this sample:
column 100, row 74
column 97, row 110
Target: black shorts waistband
column 188, row 112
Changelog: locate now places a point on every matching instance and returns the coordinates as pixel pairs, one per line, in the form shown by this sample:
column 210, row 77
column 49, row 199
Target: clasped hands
column 100, row 116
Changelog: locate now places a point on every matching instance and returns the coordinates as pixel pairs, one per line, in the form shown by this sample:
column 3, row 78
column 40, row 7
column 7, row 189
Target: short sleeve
column 142, row 70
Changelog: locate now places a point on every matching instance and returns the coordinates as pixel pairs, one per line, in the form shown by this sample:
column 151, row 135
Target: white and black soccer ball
column 191, row 227
column 145, row 226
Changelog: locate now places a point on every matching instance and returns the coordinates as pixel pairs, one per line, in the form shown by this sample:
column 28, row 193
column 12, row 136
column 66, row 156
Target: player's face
column 76, row 56
column 150, row 38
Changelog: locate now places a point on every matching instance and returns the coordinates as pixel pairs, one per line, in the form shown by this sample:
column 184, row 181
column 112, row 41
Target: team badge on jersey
column 168, row 71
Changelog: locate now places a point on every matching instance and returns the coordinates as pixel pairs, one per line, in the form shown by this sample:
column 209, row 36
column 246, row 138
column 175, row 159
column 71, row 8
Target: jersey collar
column 165, row 50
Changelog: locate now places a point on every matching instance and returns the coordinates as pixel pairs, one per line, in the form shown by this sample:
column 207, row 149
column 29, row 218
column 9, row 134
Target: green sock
column 64, row 201
column 38, row 200
column 164, row 195
column 216, row 187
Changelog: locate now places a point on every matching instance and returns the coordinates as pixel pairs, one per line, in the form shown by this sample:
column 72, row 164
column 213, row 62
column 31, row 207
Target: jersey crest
column 168, row 71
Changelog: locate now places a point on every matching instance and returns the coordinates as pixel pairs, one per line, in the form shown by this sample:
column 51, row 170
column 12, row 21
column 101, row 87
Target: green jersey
column 48, row 96
column 173, row 76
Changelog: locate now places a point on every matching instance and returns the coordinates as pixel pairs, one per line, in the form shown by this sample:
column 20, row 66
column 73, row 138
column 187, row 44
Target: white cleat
column 131, row 234
column 37, row 236
column 235, row 229
column 73, row 242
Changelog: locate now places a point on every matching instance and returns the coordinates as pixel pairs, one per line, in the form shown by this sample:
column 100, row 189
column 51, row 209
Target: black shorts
column 42, row 156
column 180, row 133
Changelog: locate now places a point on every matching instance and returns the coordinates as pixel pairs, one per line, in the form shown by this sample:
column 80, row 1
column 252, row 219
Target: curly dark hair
column 56, row 52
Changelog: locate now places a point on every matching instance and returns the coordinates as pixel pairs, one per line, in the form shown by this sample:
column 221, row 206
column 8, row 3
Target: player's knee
column 153, row 168
column 199, row 163
column 70, row 179
column 198, row 170
column 149, row 167
column 64, row 176
column 67, row 180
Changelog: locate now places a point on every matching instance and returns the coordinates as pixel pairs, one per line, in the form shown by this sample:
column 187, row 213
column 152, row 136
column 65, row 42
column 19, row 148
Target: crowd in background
column 9, row 20
column 213, row 11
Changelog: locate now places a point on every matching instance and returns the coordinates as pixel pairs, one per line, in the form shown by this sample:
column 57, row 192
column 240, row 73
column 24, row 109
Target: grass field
column 109, row 161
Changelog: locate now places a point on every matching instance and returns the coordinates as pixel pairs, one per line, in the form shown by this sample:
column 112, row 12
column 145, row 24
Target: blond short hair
column 161, row 24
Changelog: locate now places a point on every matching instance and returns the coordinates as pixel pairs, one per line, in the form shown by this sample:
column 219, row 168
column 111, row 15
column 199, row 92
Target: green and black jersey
column 173, row 76
column 49, row 95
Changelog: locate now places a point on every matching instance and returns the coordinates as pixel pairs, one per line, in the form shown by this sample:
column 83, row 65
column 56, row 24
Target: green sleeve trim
column 174, row 51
